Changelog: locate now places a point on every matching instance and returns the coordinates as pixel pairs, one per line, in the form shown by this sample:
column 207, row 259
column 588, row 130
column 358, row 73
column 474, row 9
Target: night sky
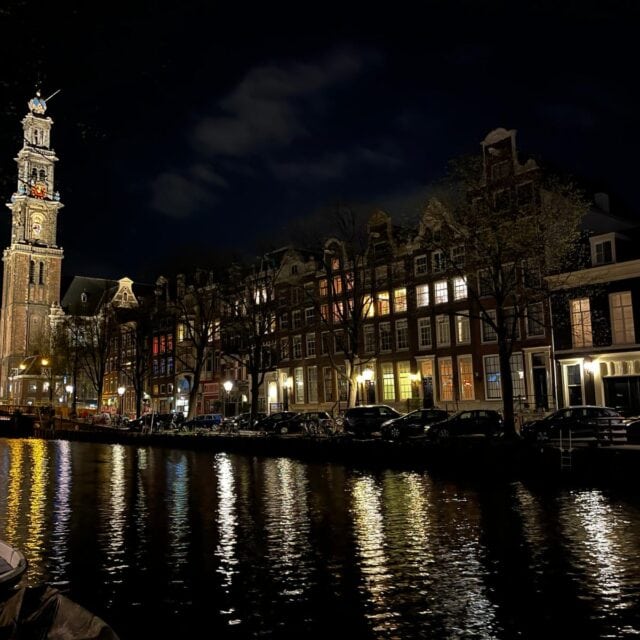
column 188, row 128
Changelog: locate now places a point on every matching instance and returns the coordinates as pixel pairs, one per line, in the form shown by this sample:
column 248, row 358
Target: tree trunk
column 506, row 385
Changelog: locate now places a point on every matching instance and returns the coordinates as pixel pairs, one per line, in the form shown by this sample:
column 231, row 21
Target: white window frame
column 460, row 289
column 463, row 328
column 424, row 323
column 443, row 331
column 402, row 334
column 422, row 295
column 421, row 265
column 465, row 368
column 440, row 292
column 621, row 314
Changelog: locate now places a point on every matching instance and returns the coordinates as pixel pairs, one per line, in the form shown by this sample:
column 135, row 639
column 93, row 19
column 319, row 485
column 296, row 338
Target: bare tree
column 94, row 342
column 135, row 352
column 348, row 265
column 248, row 321
column 502, row 236
column 197, row 308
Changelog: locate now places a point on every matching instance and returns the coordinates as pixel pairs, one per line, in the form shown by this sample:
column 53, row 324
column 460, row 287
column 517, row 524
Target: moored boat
column 12, row 566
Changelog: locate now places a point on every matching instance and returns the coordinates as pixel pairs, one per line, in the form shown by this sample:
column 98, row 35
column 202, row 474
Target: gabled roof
column 86, row 295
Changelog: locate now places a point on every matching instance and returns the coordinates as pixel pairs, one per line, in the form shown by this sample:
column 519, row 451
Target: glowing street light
column 228, row 385
column 288, row 385
column 121, row 391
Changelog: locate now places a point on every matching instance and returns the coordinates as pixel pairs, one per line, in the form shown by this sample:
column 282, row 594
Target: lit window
column 404, row 380
column 388, row 382
column 459, row 288
column 622, row 330
column 400, row 300
column 422, row 295
column 368, row 308
column 298, row 385
column 446, row 379
column 324, row 288
column 465, row 370
column 441, row 292
column 337, row 284
column 383, row 303
column 463, row 331
column 581, row 333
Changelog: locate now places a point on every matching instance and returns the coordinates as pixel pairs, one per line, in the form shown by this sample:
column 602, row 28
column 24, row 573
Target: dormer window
column 603, row 249
column 603, row 252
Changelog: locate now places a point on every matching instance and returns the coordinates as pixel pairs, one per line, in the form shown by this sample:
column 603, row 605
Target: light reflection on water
column 161, row 542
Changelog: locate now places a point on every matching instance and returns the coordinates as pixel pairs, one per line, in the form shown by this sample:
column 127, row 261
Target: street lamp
column 360, row 382
column 69, row 390
column 228, row 385
column 46, row 369
column 121, row 391
column 367, row 376
column 288, row 385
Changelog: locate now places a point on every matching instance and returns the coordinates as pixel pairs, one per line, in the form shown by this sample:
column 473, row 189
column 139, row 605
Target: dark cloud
column 179, row 196
column 264, row 110
column 333, row 166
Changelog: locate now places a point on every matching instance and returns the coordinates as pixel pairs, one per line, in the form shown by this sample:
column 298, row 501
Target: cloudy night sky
column 187, row 128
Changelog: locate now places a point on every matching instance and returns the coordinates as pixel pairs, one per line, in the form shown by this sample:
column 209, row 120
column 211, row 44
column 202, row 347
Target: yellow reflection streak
column 34, row 543
column 14, row 493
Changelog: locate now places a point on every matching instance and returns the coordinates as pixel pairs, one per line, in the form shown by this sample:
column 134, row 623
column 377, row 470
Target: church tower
column 33, row 260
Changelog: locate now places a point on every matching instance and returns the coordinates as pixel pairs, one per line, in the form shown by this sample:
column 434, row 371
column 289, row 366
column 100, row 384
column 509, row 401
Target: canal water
column 166, row 543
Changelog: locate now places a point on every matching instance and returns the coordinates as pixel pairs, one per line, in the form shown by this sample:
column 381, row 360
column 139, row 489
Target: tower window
column 41, row 274
column 32, row 272
column 43, row 175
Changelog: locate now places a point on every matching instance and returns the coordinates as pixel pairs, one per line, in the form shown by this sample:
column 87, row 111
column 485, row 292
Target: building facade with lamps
column 596, row 314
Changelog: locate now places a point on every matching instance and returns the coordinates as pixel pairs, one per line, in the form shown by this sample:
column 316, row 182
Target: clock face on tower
column 39, row 190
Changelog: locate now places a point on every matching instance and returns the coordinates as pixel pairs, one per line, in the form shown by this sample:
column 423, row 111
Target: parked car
column 412, row 424
column 632, row 429
column 204, row 421
column 242, row 421
column 367, row 419
column 310, row 422
column 583, row 422
column 273, row 423
column 471, row 423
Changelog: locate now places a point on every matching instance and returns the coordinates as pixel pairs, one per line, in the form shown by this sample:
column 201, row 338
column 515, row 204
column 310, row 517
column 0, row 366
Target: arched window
column 43, row 175
column 32, row 272
column 41, row 274
column 34, row 175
